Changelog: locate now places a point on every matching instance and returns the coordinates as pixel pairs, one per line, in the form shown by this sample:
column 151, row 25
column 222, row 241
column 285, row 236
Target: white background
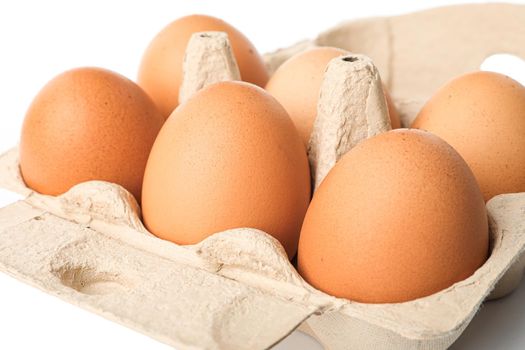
column 39, row 39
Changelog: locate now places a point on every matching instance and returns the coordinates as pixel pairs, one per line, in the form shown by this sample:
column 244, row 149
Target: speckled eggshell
column 482, row 115
column 399, row 217
column 229, row 157
column 88, row 124
column 297, row 82
column 160, row 73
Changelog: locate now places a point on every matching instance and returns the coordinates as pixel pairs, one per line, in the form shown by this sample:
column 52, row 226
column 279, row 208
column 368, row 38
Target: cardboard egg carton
column 237, row 289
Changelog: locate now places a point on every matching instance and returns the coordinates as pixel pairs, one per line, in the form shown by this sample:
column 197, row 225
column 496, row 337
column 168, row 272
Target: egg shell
column 160, row 73
column 297, row 82
column 482, row 115
column 229, row 157
column 88, row 124
column 399, row 217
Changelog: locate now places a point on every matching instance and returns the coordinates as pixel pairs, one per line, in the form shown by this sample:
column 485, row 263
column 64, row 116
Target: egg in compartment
column 482, row 115
column 88, row 124
column 399, row 217
column 229, row 157
column 297, row 82
column 160, row 73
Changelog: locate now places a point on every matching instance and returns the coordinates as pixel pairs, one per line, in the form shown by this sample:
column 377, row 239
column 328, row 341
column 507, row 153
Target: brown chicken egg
column 88, row 124
column 229, row 157
column 160, row 73
column 296, row 84
column 482, row 115
column 399, row 217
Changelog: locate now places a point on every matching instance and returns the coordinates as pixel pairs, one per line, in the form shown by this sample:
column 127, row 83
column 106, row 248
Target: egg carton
column 237, row 289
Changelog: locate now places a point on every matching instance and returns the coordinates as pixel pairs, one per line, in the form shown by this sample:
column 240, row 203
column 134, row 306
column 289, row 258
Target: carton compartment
column 142, row 282
column 85, row 265
column 89, row 281
column 417, row 53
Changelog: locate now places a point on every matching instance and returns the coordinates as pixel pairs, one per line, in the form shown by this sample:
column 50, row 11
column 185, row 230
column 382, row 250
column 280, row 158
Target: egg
column 399, row 217
column 297, row 82
column 482, row 115
column 160, row 73
column 229, row 157
column 88, row 124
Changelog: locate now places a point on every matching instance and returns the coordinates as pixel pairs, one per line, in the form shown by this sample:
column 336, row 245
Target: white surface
column 43, row 38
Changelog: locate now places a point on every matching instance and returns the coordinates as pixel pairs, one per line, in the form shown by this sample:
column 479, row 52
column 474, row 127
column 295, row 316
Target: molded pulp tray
column 237, row 289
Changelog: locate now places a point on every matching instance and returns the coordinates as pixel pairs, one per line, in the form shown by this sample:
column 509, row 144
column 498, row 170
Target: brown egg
column 160, row 73
column 229, row 157
column 296, row 84
column 399, row 217
column 482, row 115
column 88, row 124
